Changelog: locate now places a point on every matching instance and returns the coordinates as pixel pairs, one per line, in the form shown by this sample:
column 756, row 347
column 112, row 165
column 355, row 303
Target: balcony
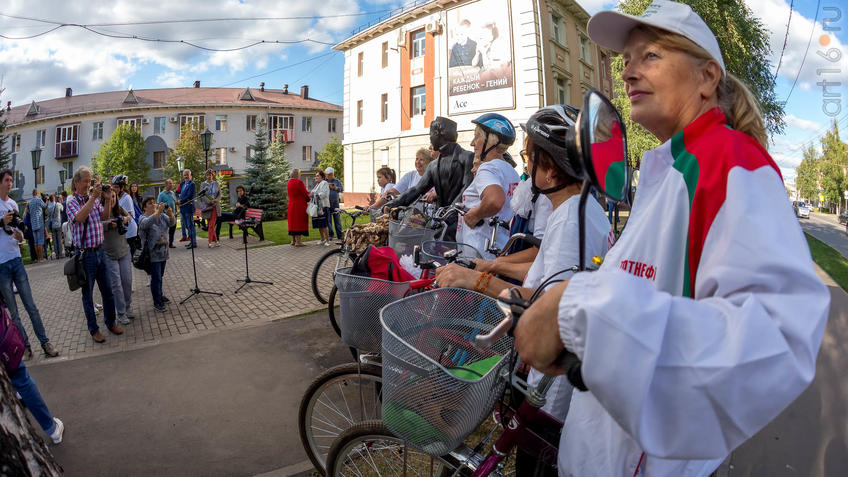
column 67, row 149
column 287, row 135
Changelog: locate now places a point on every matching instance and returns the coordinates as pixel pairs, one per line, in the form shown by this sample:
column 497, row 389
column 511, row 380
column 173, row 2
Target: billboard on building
column 480, row 61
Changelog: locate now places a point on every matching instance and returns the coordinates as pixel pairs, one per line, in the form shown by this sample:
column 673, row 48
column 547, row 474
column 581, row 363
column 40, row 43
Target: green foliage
column 264, row 175
column 189, row 147
column 225, row 193
column 806, row 179
column 332, row 155
column 280, row 170
column 122, row 153
column 830, row 260
column 833, row 149
column 5, row 155
column 743, row 40
column 824, row 174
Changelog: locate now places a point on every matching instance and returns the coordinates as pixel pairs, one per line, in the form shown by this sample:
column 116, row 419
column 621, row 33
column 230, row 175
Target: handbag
column 12, row 344
column 313, row 210
column 141, row 258
column 74, row 269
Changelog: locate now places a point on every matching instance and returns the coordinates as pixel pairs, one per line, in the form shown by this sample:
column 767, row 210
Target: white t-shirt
column 126, row 203
column 386, row 188
column 561, row 250
column 9, row 248
column 495, row 172
column 523, row 205
column 410, row 179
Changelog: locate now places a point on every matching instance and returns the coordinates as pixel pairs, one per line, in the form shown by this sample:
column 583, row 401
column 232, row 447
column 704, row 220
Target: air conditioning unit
column 173, row 119
column 401, row 40
column 145, row 121
column 232, row 149
column 434, row 28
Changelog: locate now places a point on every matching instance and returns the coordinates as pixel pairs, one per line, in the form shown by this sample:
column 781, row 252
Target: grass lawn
column 830, row 260
column 277, row 230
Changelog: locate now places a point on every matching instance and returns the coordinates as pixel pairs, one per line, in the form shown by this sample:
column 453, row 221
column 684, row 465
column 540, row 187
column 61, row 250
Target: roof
column 190, row 98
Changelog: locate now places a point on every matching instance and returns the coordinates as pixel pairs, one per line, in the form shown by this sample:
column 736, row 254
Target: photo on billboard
column 480, row 60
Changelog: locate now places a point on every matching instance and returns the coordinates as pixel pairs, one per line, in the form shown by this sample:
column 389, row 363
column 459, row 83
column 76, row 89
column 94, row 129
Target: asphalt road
column 827, row 228
column 221, row 404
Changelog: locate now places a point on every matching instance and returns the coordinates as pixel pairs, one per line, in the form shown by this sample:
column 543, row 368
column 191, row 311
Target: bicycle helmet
column 548, row 128
column 120, row 180
column 499, row 126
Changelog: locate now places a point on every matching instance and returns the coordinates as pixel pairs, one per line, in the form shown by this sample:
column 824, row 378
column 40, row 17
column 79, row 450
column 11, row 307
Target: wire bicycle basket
column 360, row 300
column 438, row 385
column 435, row 250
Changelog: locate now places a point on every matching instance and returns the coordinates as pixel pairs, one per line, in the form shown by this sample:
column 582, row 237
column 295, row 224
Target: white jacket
column 688, row 380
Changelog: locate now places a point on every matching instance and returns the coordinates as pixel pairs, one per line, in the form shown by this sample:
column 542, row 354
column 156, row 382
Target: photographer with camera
column 85, row 213
column 126, row 201
column 12, row 268
column 118, row 256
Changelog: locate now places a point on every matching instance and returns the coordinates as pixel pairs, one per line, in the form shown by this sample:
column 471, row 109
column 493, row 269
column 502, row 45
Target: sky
column 295, row 49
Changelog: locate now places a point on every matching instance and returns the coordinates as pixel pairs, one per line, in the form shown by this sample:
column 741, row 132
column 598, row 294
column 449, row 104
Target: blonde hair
column 425, row 153
column 736, row 101
column 491, row 138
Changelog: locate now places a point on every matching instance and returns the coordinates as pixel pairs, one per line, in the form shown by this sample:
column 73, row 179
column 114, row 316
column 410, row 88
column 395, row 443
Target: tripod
column 244, row 226
column 197, row 290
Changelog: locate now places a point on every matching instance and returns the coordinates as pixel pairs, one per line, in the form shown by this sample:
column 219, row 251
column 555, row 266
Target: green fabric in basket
column 410, row 424
column 476, row 370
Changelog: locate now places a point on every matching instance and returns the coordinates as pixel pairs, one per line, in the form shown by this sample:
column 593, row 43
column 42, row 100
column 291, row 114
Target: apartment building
column 458, row 59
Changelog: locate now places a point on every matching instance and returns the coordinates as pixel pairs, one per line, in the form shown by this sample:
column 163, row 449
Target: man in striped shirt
column 84, row 213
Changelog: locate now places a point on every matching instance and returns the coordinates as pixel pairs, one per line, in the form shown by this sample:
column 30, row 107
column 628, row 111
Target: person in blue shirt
column 36, row 216
column 168, row 198
column 335, row 188
column 186, row 203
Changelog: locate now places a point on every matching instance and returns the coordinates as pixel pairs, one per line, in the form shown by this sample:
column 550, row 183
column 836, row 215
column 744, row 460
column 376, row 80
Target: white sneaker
column 327, row 243
column 57, row 433
column 122, row 319
column 98, row 307
column 130, row 314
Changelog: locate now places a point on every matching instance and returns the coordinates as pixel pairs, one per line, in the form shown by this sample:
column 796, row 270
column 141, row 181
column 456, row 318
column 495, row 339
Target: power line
column 785, row 38
column 292, row 65
column 812, row 30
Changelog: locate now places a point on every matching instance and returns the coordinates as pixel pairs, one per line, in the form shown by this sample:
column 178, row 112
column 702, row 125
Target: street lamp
column 36, row 160
column 180, row 163
column 63, row 175
column 206, row 142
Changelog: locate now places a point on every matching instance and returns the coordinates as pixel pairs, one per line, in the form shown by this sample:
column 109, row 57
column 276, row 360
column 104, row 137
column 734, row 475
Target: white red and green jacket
column 705, row 319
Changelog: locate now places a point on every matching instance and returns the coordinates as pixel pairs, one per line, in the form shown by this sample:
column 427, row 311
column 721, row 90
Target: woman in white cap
column 706, row 317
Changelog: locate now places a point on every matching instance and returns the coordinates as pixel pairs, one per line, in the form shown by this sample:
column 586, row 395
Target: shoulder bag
column 74, row 269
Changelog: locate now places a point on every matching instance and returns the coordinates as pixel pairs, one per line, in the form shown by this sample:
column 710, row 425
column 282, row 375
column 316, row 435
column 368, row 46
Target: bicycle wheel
column 337, row 399
column 325, row 267
column 370, row 449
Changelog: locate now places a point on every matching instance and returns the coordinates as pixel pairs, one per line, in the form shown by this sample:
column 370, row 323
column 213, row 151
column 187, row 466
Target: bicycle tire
column 316, row 271
column 335, row 376
column 367, row 435
column 331, row 310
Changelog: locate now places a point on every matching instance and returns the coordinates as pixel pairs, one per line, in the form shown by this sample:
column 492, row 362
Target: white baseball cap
column 612, row 29
column 329, row 170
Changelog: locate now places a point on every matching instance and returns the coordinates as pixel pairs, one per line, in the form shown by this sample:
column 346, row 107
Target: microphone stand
column 244, row 226
column 196, row 290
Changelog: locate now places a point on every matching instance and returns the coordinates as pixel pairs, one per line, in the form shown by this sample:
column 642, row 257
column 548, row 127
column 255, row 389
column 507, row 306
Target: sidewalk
column 288, row 267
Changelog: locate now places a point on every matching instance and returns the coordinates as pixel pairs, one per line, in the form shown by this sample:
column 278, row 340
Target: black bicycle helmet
column 120, row 180
column 548, row 128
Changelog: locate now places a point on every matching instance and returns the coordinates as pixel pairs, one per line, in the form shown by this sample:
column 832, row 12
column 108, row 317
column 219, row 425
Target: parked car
column 843, row 217
column 802, row 209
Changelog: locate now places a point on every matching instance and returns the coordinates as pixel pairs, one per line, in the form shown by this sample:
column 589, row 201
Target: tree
column 832, row 182
column 744, row 44
column 189, row 147
column 332, row 155
column 22, row 451
column 262, row 176
column 225, row 192
column 833, row 149
column 122, row 153
column 5, row 155
column 281, row 171
column 807, row 174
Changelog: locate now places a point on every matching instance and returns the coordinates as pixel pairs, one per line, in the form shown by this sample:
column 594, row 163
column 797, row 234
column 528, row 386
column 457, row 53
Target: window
column 39, row 175
column 40, row 138
column 360, row 65
column 419, row 100
column 385, row 54
column 16, row 143
column 281, row 125
column 159, row 160
column 331, row 125
column 69, row 168
column 97, row 133
column 132, row 122
column 557, row 30
column 197, row 118
column 384, row 107
column 221, row 156
column 66, row 141
column 248, row 153
column 221, row 122
column 306, row 124
column 359, row 113
column 251, row 122
column 307, row 153
column 418, row 44
column 159, row 124
column 585, row 49
column 562, row 91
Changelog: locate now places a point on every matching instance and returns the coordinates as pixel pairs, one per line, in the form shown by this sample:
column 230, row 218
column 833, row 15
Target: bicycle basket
column 404, row 237
column 437, row 384
column 360, row 300
column 434, row 250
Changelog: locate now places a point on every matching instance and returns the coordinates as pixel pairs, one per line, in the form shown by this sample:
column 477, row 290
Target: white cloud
column 787, row 161
column 805, row 124
column 40, row 68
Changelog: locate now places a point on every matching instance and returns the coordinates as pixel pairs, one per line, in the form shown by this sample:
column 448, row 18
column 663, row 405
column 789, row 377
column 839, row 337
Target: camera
column 119, row 223
column 15, row 223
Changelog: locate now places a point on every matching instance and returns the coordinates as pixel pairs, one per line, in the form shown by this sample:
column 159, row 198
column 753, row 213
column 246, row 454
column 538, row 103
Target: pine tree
column 225, row 192
column 263, row 177
column 281, row 169
column 5, row 155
